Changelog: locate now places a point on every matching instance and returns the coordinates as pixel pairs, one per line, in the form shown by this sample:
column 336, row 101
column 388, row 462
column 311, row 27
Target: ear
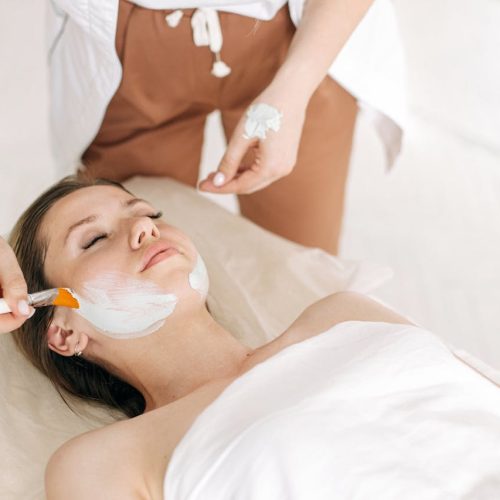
column 64, row 340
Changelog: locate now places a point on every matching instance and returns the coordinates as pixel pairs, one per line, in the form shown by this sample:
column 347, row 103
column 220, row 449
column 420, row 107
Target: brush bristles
column 66, row 299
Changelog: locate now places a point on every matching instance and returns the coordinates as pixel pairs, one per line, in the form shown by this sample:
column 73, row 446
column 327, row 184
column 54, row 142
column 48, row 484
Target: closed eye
column 95, row 239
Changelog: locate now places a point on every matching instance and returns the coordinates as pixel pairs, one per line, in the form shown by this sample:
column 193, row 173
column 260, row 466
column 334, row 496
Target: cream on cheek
column 122, row 307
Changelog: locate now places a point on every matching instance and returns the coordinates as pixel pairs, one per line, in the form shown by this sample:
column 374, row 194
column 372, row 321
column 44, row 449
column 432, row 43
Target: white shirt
column 85, row 70
column 263, row 9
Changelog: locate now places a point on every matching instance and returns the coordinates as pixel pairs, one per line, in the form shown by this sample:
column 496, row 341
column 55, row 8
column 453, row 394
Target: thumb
column 232, row 159
column 12, row 281
column 15, row 294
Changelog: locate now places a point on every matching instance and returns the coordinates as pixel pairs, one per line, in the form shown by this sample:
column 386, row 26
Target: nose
column 142, row 231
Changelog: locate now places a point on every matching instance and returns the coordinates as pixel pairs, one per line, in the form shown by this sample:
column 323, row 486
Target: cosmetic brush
column 52, row 297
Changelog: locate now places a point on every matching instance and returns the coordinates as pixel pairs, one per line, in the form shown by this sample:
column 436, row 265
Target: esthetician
column 13, row 289
column 132, row 83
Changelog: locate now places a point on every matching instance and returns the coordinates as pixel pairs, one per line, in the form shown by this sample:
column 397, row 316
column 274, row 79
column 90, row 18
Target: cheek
column 80, row 324
column 176, row 236
column 96, row 264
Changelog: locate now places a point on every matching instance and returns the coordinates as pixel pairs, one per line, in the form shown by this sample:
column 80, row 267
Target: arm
column 339, row 307
column 324, row 29
column 90, row 467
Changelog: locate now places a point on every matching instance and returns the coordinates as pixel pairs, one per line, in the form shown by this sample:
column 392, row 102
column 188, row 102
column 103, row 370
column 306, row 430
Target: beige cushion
column 259, row 284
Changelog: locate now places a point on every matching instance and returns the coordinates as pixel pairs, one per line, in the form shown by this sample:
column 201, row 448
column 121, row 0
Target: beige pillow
column 259, row 284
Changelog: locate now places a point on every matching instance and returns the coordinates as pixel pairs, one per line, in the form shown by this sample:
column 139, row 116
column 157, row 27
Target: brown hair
column 74, row 375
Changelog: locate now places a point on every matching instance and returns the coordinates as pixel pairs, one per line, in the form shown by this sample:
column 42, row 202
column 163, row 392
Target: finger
column 12, row 281
column 15, row 294
column 208, row 183
column 233, row 158
column 247, row 182
column 9, row 322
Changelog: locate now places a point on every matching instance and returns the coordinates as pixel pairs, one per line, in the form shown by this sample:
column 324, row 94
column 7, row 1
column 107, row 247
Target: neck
column 181, row 357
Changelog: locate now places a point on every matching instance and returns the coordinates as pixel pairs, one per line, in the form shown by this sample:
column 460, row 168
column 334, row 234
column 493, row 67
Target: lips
column 156, row 253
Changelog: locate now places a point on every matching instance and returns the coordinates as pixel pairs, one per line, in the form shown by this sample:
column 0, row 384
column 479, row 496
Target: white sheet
column 364, row 410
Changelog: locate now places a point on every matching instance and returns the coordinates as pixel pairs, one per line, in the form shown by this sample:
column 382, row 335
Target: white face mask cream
column 198, row 278
column 122, row 307
column 261, row 117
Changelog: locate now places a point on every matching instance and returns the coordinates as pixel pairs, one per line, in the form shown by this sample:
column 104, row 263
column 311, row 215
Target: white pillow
column 259, row 284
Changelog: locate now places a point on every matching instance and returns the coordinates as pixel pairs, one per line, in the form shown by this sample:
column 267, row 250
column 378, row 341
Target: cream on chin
column 198, row 277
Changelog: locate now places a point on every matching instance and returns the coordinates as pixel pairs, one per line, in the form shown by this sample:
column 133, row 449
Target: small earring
column 77, row 352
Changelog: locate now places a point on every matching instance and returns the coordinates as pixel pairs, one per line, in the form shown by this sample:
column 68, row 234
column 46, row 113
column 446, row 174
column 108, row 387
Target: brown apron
column 154, row 124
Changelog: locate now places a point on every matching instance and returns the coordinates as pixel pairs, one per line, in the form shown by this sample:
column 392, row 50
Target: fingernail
column 33, row 310
column 219, row 179
column 23, row 307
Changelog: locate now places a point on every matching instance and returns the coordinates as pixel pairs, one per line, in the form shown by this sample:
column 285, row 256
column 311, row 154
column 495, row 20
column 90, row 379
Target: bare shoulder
column 93, row 465
column 127, row 459
column 337, row 308
column 324, row 314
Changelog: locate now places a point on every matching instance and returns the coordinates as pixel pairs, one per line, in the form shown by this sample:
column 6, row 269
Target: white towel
column 365, row 410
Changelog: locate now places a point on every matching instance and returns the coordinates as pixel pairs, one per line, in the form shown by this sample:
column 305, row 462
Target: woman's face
column 103, row 230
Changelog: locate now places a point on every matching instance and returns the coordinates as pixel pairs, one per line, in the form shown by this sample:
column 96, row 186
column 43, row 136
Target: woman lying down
column 350, row 402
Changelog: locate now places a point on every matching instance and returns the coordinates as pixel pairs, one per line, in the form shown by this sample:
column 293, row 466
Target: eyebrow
column 92, row 218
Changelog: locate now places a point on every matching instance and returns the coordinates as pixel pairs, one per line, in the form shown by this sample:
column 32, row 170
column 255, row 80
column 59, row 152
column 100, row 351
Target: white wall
column 454, row 50
column 25, row 158
column 435, row 218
